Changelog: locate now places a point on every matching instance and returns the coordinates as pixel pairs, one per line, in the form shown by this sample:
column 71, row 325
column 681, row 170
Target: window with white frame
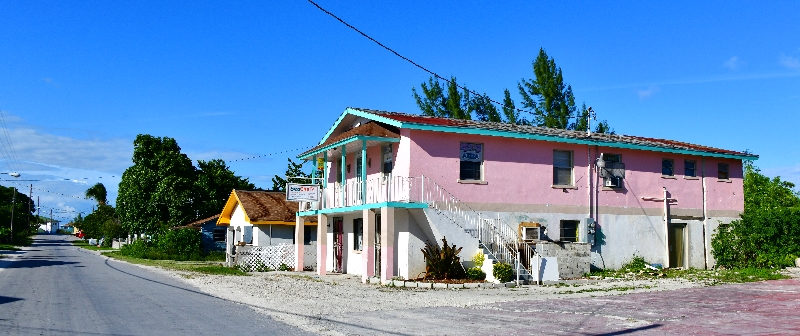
column 562, row 168
column 471, row 161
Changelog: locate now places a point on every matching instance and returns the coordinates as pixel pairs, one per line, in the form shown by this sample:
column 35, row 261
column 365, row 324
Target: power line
column 48, row 191
column 410, row 61
column 8, row 138
column 258, row 156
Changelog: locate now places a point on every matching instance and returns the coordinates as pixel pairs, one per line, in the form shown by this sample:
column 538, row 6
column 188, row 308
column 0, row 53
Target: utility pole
column 38, row 212
column 13, row 203
column 51, row 220
column 27, row 212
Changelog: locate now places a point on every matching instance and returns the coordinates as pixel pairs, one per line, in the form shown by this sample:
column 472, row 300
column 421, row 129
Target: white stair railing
column 497, row 236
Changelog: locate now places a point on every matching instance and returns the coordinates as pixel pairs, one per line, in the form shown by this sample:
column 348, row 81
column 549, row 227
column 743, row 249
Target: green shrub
column 768, row 233
column 181, row 245
column 475, row 273
column 503, row 272
column 284, row 267
column 478, row 259
column 443, row 263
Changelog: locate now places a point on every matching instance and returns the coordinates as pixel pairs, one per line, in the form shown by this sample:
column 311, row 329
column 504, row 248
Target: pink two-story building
column 392, row 181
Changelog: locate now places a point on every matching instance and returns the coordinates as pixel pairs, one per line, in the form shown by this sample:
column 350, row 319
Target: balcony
column 356, row 193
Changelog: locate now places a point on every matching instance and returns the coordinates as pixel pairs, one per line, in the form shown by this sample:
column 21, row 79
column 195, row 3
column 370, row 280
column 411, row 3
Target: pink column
column 322, row 244
column 299, row 230
column 387, row 244
column 368, row 254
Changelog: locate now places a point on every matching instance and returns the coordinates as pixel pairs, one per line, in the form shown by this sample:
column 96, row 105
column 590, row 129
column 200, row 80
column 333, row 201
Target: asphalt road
column 55, row 288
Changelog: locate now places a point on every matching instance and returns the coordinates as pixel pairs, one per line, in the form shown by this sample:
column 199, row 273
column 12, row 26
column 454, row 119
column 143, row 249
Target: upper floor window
column 386, row 159
column 722, row 171
column 667, row 166
column 562, row 168
column 471, row 161
column 612, row 166
column 690, row 168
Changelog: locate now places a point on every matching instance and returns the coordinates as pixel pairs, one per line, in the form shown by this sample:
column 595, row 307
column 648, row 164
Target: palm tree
column 98, row 193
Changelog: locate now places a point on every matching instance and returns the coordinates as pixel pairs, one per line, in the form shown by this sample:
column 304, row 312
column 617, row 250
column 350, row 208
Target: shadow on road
column 24, row 263
column 8, row 299
column 629, row 331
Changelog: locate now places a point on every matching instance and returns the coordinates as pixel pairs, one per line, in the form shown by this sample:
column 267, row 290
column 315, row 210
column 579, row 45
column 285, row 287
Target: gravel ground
column 317, row 304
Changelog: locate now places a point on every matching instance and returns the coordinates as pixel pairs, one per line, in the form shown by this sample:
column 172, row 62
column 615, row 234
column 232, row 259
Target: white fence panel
column 263, row 258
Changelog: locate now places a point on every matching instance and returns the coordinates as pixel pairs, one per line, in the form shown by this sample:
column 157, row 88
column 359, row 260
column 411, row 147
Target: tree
column 485, row 109
column 436, row 102
column 98, row 193
column 94, row 224
column 510, row 110
column 158, row 189
column 23, row 214
column 768, row 232
column 552, row 100
column 214, row 184
column 294, row 174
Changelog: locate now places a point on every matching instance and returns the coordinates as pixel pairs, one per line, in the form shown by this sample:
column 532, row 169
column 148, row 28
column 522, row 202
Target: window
column 722, row 171
column 471, row 161
column 690, row 168
column 219, row 233
column 359, row 166
column 358, row 234
column 247, row 234
column 613, row 168
column 562, row 168
column 309, row 234
column 569, row 231
column 387, row 159
column 667, row 167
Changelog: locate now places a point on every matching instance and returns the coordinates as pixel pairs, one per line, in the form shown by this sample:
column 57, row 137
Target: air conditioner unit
column 612, row 182
column 530, row 233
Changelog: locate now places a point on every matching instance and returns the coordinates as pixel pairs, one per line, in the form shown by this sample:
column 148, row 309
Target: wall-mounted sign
column 471, row 152
column 320, row 166
column 302, row 192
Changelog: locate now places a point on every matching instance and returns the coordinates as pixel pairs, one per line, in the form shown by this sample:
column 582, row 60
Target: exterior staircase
column 499, row 240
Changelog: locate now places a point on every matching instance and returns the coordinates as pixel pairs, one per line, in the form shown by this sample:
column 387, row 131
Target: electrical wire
column 412, row 62
column 8, row 138
column 40, row 189
column 258, row 156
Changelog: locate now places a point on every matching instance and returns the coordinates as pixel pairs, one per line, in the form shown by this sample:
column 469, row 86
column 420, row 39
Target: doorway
column 378, row 245
column 338, row 244
column 677, row 242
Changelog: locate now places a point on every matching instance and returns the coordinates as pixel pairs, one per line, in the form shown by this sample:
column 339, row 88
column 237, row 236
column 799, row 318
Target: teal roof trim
column 403, row 205
column 478, row 131
column 345, row 142
column 506, row 134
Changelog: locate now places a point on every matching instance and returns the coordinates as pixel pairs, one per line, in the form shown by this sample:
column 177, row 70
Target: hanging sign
column 472, row 152
column 320, row 166
column 302, row 192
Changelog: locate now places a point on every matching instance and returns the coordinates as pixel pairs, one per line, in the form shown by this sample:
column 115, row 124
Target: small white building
column 50, row 227
column 261, row 224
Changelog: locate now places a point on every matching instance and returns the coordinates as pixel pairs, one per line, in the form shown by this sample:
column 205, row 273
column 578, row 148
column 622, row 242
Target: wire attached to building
column 412, row 62
column 258, row 156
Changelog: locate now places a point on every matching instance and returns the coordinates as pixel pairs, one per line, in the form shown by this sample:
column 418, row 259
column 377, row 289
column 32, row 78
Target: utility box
column 586, row 231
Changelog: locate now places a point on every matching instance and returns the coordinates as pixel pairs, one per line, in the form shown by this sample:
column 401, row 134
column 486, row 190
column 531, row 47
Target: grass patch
column 7, row 247
column 203, row 267
column 608, row 289
column 637, row 269
column 84, row 244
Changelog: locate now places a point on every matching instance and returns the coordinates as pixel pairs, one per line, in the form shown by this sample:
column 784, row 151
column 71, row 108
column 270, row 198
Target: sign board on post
column 302, row 192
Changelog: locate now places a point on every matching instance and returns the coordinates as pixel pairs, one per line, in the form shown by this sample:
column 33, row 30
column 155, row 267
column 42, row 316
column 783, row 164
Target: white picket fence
column 264, row 258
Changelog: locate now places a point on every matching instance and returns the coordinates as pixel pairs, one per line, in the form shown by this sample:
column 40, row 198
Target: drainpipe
column 589, row 176
column 666, row 229
column 705, row 211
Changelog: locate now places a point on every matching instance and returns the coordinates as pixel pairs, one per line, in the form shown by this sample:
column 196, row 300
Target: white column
column 368, row 251
column 299, row 230
column 322, row 244
column 387, row 243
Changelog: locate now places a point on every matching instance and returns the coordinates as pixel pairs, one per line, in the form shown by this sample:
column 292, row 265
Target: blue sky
column 79, row 80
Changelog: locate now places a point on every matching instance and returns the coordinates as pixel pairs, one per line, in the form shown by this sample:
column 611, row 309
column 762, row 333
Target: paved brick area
column 763, row 308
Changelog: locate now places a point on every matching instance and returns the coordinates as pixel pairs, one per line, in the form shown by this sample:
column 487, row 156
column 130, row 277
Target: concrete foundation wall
column 573, row 258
